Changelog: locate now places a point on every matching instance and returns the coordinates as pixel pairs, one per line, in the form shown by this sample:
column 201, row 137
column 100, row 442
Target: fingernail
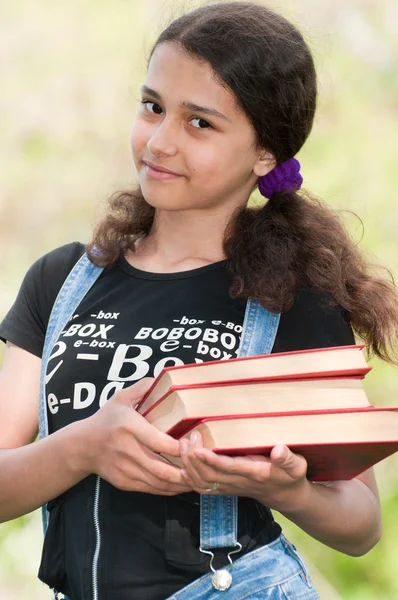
column 282, row 453
column 193, row 438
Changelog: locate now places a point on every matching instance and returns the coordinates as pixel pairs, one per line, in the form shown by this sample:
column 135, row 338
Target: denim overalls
column 273, row 572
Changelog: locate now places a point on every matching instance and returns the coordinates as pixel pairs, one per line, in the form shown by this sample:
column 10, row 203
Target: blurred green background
column 70, row 74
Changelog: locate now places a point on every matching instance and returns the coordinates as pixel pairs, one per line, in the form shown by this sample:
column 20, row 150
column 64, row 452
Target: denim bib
column 218, row 514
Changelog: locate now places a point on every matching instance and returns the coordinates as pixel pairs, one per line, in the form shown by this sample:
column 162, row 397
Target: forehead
column 179, row 77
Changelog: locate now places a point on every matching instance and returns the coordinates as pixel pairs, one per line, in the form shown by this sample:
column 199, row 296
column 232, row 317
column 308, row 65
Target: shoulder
column 313, row 302
column 53, row 267
column 314, row 321
column 26, row 322
column 46, row 277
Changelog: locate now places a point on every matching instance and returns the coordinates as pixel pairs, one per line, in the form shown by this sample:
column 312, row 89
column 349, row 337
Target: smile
column 153, row 173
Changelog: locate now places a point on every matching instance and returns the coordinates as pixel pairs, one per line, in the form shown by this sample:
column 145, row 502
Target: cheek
column 219, row 167
column 208, row 163
column 139, row 136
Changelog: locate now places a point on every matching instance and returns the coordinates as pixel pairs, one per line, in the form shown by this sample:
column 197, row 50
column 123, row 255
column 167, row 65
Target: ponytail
column 296, row 240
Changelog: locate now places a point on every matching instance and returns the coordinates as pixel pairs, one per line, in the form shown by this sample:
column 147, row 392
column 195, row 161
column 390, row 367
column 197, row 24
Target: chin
column 167, row 202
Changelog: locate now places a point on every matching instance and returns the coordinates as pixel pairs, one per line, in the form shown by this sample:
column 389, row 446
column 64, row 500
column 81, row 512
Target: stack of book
column 312, row 401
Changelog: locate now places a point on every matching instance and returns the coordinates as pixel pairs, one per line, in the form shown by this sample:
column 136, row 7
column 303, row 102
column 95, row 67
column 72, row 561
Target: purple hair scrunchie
column 285, row 176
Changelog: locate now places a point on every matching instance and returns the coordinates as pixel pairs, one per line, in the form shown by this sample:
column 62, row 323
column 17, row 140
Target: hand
column 278, row 482
column 124, row 448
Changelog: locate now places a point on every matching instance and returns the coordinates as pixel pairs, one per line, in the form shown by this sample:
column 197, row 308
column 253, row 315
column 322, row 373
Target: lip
column 160, row 169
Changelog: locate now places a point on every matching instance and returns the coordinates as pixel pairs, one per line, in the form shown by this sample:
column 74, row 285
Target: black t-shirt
column 130, row 325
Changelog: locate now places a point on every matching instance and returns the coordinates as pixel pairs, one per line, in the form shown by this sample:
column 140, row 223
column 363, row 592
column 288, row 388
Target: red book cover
column 330, row 462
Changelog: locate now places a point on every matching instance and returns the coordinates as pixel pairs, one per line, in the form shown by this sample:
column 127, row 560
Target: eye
column 156, row 109
column 202, row 123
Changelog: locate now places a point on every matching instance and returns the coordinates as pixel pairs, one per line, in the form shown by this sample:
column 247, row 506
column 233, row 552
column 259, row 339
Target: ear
column 264, row 164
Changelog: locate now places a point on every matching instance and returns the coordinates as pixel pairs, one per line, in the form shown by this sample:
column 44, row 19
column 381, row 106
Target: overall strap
column 75, row 287
column 219, row 514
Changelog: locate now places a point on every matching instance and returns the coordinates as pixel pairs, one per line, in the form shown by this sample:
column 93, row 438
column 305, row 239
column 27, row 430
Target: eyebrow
column 211, row 112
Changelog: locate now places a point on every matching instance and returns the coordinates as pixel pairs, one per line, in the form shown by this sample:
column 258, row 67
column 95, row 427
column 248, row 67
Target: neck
column 180, row 236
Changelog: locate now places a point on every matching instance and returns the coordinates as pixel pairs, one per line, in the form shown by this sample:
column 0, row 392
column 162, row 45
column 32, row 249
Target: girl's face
column 190, row 124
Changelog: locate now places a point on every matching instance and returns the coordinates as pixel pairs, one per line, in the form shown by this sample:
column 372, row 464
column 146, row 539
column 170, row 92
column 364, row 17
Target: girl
column 228, row 101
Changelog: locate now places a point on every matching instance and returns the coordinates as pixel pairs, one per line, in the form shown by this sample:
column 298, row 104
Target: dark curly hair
column 293, row 239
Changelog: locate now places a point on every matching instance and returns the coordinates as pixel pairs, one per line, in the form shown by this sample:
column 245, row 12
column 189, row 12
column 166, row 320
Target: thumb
column 146, row 434
column 132, row 395
column 295, row 465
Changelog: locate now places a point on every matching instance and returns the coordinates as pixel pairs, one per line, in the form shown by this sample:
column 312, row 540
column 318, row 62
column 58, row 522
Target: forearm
column 344, row 515
column 32, row 475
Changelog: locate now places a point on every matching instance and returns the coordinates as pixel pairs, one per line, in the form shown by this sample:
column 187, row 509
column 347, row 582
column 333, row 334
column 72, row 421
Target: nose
column 163, row 139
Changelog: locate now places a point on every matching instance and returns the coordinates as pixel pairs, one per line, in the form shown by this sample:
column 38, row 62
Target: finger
column 156, row 441
column 144, row 478
column 294, row 465
column 198, row 473
column 187, row 467
column 188, row 448
column 164, row 488
column 162, row 483
column 157, row 469
column 131, row 396
column 243, row 466
column 172, row 491
column 140, row 485
column 184, row 442
column 203, row 487
column 203, row 475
